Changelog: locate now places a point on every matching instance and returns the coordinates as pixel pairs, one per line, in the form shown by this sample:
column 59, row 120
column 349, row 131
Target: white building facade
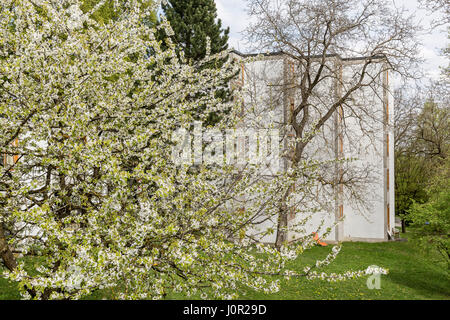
column 360, row 130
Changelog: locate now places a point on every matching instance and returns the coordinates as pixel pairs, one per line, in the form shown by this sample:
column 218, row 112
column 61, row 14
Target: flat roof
column 280, row 53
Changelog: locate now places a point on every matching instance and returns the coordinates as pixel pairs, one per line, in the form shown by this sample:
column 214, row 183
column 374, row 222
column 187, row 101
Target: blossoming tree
column 93, row 188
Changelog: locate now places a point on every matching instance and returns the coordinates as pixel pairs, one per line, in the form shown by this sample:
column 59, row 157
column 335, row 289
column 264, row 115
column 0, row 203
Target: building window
column 10, row 160
column 388, row 179
column 341, row 211
column 387, row 144
column 388, row 217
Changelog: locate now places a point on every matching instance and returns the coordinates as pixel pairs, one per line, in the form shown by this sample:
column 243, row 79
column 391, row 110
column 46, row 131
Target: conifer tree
column 192, row 22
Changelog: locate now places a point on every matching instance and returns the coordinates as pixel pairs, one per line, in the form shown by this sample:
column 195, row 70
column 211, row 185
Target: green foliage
column 192, row 22
column 431, row 220
column 410, row 180
column 108, row 11
column 425, row 151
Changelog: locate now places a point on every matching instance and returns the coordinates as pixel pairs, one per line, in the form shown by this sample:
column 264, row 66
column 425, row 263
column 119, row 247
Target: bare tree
column 408, row 103
column 433, row 127
column 438, row 6
column 316, row 33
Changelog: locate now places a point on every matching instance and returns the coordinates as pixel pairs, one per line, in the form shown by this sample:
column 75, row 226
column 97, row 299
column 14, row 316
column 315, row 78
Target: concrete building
column 362, row 130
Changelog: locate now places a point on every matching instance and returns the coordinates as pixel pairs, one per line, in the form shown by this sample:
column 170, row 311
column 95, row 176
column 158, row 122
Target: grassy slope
column 412, row 275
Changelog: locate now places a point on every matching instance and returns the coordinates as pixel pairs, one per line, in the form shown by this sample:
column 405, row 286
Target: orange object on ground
column 319, row 242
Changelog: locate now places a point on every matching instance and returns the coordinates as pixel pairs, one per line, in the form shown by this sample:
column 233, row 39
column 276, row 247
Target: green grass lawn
column 412, row 275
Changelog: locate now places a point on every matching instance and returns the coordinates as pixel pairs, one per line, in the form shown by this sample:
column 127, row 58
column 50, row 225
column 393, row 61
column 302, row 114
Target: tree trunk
column 10, row 261
column 5, row 252
column 282, row 223
column 403, row 226
column 281, row 228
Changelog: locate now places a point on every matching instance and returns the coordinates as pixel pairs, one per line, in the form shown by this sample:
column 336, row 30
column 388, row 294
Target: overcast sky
column 233, row 14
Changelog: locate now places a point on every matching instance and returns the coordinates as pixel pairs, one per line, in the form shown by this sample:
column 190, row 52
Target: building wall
column 364, row 141
column 365, row 136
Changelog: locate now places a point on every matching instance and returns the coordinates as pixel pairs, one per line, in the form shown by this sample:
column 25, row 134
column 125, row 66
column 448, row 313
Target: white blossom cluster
column 334, row 277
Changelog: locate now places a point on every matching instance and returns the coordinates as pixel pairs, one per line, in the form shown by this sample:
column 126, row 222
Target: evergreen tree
column 193, row 21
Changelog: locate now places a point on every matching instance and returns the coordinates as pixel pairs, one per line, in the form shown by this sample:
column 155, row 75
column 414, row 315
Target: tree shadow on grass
column 430, row 285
